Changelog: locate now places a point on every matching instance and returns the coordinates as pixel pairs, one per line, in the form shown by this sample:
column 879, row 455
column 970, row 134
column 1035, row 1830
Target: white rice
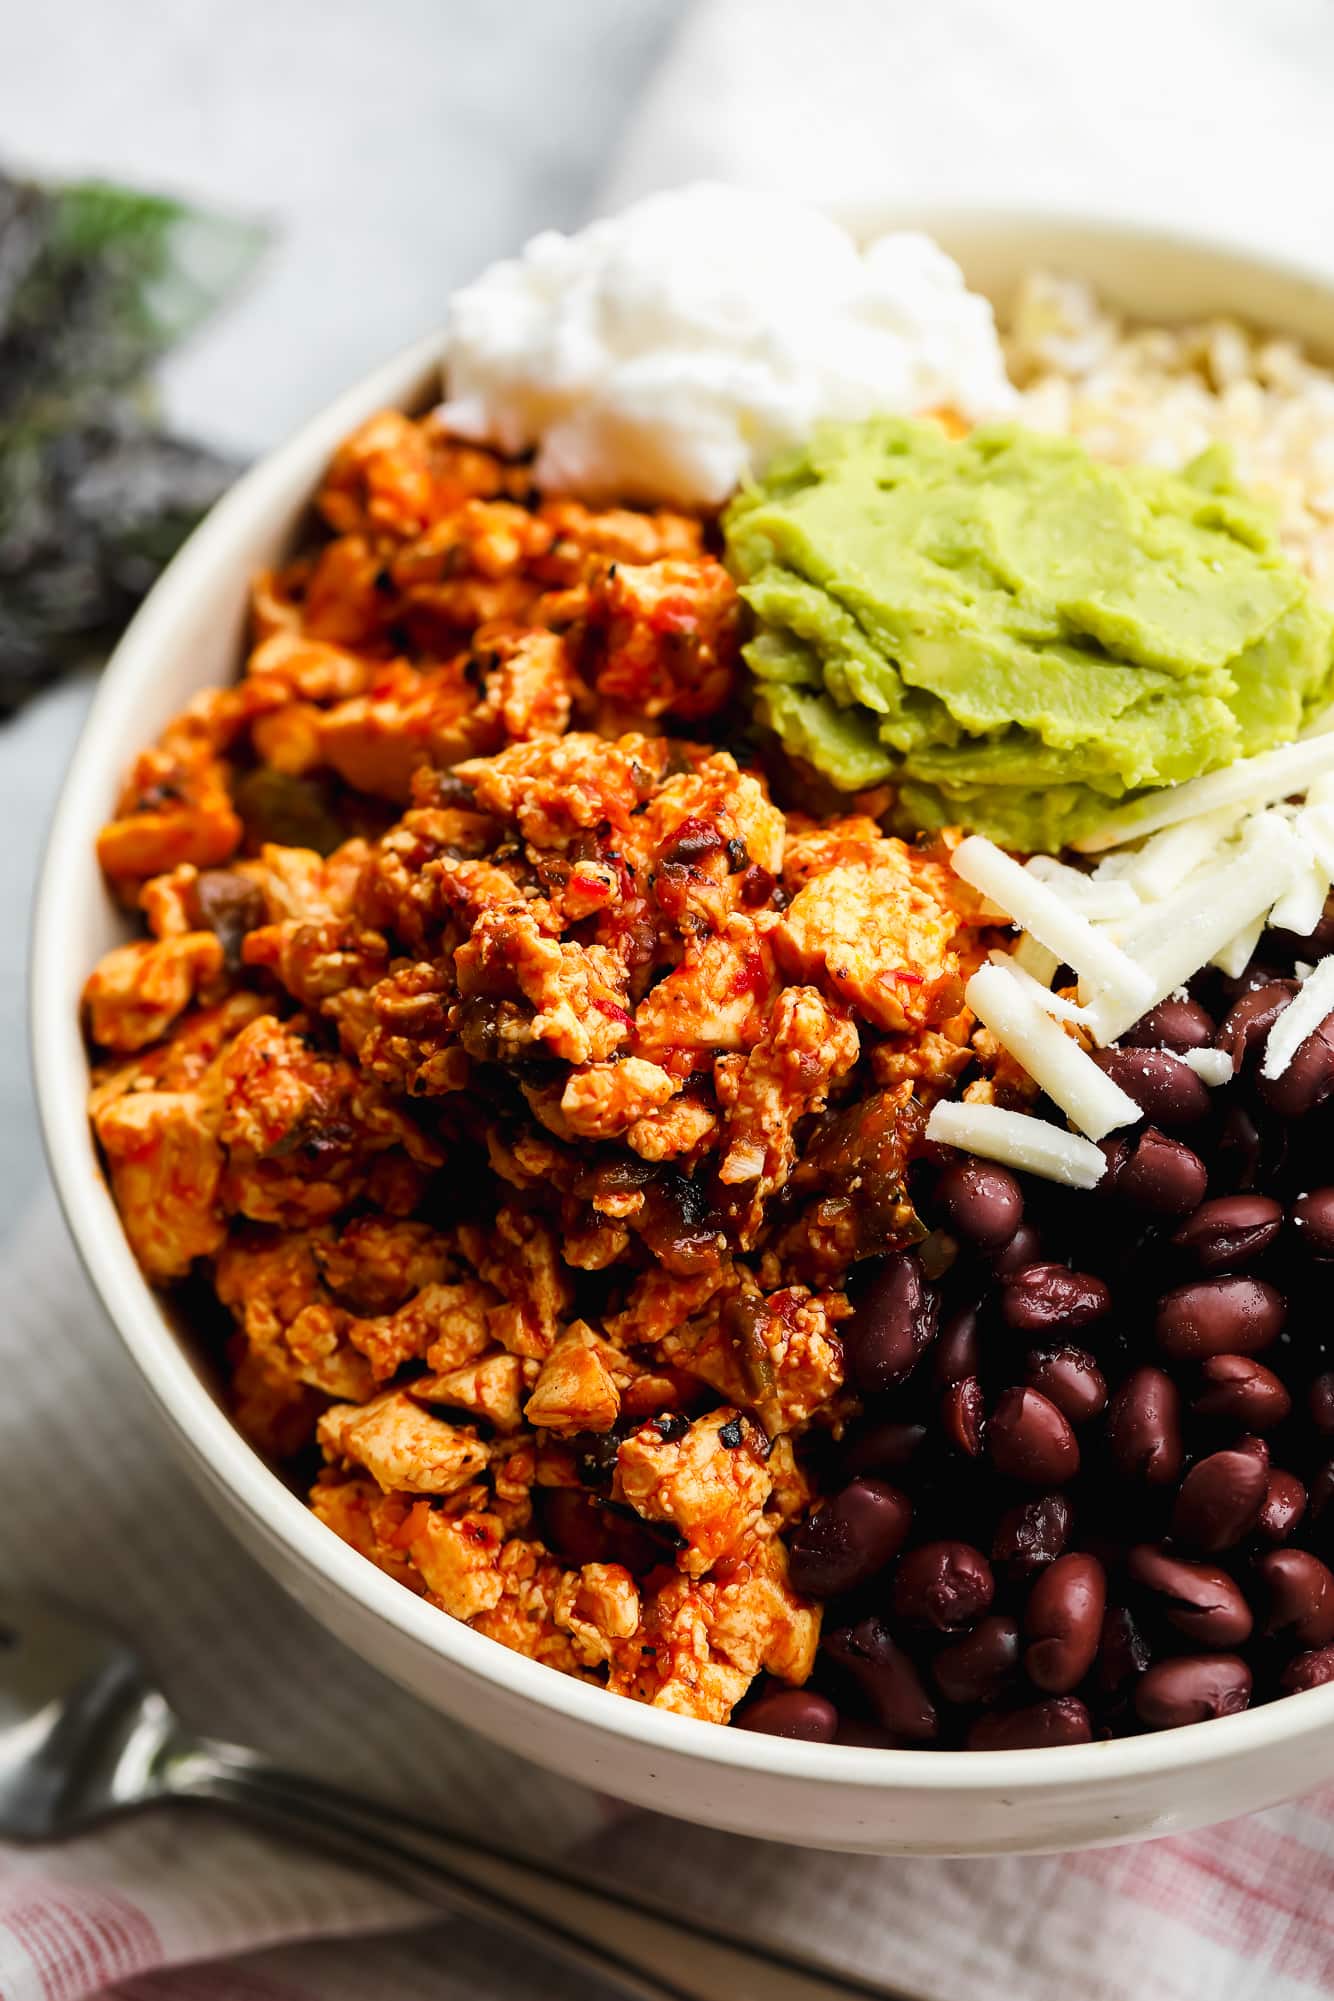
column 1160, row 395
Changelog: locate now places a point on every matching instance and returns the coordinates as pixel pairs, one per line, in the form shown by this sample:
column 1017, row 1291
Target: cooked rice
column 1160, row 395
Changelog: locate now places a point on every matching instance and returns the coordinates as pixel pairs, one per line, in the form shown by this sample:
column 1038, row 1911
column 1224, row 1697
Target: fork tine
column 73, row 1696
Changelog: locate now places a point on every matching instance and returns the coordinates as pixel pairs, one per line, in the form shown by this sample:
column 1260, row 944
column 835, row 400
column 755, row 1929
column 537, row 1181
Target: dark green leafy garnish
column 96, row 284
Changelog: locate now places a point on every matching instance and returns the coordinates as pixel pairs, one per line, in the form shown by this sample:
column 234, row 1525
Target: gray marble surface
column 395, row 145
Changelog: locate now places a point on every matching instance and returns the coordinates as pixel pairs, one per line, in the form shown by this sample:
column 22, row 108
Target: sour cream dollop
column 666, row 353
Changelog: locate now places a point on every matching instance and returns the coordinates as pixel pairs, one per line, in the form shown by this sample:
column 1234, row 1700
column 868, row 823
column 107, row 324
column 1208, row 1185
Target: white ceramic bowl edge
column 187, row 636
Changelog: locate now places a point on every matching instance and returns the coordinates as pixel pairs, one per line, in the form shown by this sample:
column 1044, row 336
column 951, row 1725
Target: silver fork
column 85, row 1735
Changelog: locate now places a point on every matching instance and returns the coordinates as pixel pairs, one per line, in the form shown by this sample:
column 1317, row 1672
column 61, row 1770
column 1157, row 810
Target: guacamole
column 1015, row 633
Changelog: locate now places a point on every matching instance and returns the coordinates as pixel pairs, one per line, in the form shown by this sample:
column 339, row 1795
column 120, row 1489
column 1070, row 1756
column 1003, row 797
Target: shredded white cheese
column 1212, row 1066
column 1034, row 959
column 1215, row 860
column 1040, row 910
column 1304, row 1013
column 1264, row 834
column 1184, row 932
column 1166, row 859
column 1236, row 954
column 1315, row 827
column 1275, row 774
column 1050, row 1003
column 1052, row 1058
column 1095, row 898
column 1017, row 1140
column 1301, row 908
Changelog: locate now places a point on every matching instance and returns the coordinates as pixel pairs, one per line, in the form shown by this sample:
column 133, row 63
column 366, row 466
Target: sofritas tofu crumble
column 526, row 1080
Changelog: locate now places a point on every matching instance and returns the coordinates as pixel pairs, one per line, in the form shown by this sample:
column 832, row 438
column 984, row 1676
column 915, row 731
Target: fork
column 85, row 1735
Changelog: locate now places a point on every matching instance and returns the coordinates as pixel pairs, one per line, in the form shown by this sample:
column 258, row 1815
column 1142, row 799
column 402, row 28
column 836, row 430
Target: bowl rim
column 231, row 1465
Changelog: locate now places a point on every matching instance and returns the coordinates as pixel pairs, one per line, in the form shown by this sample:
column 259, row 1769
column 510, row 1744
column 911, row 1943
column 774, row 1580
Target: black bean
column 1229, row 1232
column 1283, row 1506
column 1219, row 1316
column 977, row 1667
column 1262, row 969
column 1062, row 1719
column 1200, row 1600
column 1192, row 1688
column 893, row 1325
column 852, row 1537
column 1159, row 1175
column 1173, row 1024
column 1312, row 1223
column 1144, row 1428
column 1041, row 1298
column 1314, row 945
column 870, row 1656
column 1299, row 1596
column 863, row 1736
column 1310, row 1670
column 1242, row 1391
column 1221, row 1497
column 799, row 1713
column 888, row 1445
column 943, row 1584
column 1029, row 1439
column 1063, row 1622
column 1071, row 1379
column 958, row 1351
column 980, row 1203
column 963, row 1415
column 1165, row 1089
column 1308, row 1079
column 1034, row 1533
column 1240, row 1152
column 1320, row 1402
column 1024, row 1248
column 1123, row 1652
column 1248, row 1021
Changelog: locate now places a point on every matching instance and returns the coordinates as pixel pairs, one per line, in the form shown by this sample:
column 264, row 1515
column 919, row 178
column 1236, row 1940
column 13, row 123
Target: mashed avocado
column 1015, row 633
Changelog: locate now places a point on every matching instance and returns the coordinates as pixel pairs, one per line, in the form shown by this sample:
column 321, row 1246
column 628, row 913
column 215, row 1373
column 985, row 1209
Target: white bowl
column 189, row 634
